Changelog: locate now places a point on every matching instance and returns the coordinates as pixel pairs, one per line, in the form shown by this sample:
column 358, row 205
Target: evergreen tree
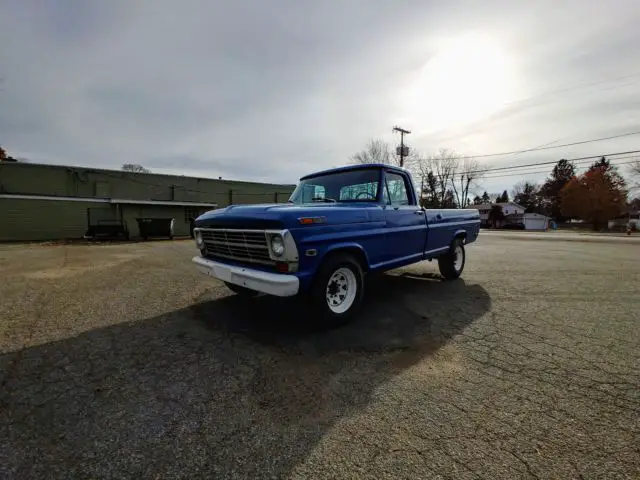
column 563, row 172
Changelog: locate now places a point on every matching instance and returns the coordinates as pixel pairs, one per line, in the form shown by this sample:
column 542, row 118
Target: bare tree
column 376, row 151
column 443, row 166
column 466, row 174
column 518, row 189
column 447, row 177
column 379, row 151
column 411, row 161
column 135, row 168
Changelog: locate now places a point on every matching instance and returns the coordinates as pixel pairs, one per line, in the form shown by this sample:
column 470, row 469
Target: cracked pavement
column 121, row 361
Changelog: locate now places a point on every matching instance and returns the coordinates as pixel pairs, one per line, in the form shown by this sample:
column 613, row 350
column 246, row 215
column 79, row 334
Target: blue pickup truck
column 338, row 225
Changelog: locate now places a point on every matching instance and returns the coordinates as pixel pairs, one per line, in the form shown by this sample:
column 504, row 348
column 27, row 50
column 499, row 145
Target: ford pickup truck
column 338, row 225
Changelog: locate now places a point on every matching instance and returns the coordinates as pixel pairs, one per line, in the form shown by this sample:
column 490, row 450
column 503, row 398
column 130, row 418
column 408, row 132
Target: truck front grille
column 240, row 245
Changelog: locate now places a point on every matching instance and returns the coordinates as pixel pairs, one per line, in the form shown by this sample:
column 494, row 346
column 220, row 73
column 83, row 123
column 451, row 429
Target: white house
column 508, row 208
column 514, row 216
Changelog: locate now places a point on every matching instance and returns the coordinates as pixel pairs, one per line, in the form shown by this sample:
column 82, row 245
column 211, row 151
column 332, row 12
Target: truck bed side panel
column 445, row 224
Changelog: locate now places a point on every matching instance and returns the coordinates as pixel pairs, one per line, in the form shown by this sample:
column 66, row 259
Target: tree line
column 5, row 157
column 450, row 180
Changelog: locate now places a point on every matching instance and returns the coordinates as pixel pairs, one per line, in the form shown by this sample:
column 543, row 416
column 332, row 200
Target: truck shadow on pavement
column 227, row 388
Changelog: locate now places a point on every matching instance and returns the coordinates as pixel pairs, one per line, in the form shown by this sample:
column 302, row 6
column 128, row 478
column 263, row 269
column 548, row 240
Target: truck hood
column 286, row 215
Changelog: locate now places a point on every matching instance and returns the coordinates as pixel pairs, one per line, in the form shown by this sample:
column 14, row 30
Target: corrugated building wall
column 22, row 219
column 46, row 202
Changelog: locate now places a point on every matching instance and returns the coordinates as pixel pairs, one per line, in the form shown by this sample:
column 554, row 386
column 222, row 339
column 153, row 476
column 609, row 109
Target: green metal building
column 51, row 202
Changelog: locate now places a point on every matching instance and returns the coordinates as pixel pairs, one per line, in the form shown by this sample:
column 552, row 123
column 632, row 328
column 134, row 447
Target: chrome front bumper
column 280, row 285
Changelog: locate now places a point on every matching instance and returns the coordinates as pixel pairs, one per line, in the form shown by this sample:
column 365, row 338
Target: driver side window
column 362, row 192
column 396, row 189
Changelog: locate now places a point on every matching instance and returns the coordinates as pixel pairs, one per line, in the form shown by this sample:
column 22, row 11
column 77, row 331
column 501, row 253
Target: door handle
column 419, row 212
column 438, row 217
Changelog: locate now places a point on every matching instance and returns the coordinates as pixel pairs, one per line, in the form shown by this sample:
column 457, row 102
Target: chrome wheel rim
column 341, row 290
column 458, row 255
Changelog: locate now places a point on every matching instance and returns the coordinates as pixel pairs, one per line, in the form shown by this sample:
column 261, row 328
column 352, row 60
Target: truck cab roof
column 358, row 166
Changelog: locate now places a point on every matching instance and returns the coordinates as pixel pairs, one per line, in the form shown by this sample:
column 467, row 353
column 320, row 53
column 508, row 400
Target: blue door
column 405, row 220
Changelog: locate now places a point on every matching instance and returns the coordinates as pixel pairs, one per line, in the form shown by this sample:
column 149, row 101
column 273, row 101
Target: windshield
column 350, row 186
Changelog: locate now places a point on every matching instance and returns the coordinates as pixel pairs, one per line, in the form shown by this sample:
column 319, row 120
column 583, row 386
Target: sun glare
column 466, row 80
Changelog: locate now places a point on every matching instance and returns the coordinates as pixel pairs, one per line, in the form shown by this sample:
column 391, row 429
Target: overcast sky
column 253, row 90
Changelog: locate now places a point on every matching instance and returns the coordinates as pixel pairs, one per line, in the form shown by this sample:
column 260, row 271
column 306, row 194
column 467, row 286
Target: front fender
column 309, row 264
column 348, row 246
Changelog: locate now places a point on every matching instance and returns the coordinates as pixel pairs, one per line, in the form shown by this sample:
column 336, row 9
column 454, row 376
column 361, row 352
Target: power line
column 585, row 164
column 543, row 171
column 552, row 162
column 569, row 88
column 536, row 149
column 577, row 167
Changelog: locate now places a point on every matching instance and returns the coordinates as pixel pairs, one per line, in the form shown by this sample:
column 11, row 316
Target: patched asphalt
column 121, row 361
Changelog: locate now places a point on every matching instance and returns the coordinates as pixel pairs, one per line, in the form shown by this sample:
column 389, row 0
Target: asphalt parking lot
column 121, row 361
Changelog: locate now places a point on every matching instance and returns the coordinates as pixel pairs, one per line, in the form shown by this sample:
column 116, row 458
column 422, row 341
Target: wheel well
column 462, row 235
column 354, row 252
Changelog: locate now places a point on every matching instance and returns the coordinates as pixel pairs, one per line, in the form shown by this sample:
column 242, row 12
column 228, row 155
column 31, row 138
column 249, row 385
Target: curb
column 584, row 239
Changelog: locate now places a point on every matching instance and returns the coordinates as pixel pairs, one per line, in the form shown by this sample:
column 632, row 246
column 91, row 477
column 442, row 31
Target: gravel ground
column 122, row 362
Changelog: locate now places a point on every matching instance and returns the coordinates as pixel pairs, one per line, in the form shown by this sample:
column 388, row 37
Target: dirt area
column 121, row 361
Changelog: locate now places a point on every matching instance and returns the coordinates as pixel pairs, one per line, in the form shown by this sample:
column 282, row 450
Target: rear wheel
column 338, row 289
column 247, row 292
column 452, row 263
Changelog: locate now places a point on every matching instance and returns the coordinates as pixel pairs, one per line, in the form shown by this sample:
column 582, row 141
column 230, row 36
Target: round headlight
column 277, row 245
column 199, row 240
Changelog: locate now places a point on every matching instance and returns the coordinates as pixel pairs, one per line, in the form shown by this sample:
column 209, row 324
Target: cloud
column 251, row 90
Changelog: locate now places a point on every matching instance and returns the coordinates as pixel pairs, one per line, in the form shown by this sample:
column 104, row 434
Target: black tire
column 450, row 269
column 325, row 281
column 247, row 292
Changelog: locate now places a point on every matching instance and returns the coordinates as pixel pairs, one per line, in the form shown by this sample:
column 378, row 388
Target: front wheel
column 452, row 263
column 338, row 288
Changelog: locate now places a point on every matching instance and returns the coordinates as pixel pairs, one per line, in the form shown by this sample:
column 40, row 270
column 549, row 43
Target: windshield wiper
column 323, row 199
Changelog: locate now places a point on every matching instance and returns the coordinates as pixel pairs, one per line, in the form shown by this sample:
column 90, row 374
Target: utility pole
column 401, row 151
